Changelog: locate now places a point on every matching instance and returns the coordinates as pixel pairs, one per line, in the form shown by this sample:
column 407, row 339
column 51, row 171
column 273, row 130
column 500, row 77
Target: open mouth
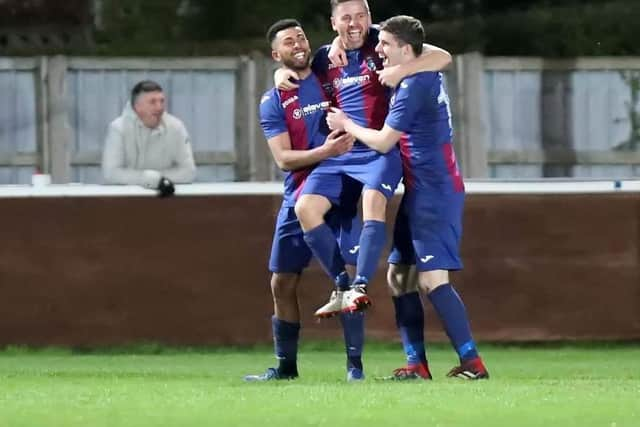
column 355, row 35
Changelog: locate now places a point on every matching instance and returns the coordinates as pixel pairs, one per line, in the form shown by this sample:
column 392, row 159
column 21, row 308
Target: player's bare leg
column 284, row 289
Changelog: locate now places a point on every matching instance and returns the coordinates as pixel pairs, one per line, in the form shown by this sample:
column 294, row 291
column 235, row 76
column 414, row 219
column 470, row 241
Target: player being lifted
column 294, row 123
column 428, row 227
column 357, row 86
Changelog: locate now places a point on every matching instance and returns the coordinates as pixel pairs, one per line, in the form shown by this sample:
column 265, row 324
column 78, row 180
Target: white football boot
column 356, row 299
column 333, row 307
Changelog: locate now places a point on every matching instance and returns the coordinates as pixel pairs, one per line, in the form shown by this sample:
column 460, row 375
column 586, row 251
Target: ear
column 333, row 23
column 275, row 55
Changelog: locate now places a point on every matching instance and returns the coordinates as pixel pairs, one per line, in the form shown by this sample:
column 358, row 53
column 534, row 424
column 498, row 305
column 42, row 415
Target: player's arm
column 380, row 140
column 433, row 58
column 289, row 159
column 337, row 53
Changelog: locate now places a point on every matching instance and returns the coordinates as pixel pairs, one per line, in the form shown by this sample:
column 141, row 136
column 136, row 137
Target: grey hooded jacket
column 135, row 154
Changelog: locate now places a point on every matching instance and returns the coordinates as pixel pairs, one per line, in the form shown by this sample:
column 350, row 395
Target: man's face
column 150, row 106
column 291, row 47
column 351, row 20
column 389, row 50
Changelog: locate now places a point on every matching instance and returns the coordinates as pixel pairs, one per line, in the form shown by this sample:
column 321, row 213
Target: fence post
column 59, row 135
column 43, row 161
column 261, row 156
column 243, row 117
column 470, row 118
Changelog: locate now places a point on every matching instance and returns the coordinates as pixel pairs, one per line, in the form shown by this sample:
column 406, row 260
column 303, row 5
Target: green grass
column 595, row 385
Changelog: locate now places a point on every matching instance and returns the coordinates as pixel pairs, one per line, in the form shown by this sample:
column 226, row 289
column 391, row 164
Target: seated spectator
column 146, row 145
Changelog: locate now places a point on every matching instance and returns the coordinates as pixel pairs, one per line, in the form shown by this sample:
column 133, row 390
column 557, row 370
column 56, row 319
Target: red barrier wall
column 193, row 270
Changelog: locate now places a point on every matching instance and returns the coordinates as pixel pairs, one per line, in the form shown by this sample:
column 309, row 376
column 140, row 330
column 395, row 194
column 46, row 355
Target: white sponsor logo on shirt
column 351, row 81
column 298, row 113
column 289, row 101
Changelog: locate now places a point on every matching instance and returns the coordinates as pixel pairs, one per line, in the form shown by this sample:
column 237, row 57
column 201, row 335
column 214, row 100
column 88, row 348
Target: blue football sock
column 372, row 240
column 322, row 242
column 410, row 322
column 343, row 282
column 285, row 340
column 453, row 315
column 353, row 328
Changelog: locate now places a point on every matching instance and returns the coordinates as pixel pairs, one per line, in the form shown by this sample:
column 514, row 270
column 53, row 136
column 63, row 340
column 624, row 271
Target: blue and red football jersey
column 420, row 108
column 355, row 87
column 429, row 222
column 302, row 113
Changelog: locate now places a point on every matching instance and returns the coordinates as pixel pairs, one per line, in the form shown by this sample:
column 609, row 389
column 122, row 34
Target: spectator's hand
column 336, row 119
column 166, row 187
column 337, row 54
column 391, row 76
column 338, row 142
column 282, row 79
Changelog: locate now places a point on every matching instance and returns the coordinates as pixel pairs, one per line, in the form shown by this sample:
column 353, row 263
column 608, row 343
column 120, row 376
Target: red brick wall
column 193, row 270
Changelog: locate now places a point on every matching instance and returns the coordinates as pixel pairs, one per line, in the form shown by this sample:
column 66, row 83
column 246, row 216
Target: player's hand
column 336, row 119
column 338, row 143
column 391, row 76
column 282, row 79
column 166, row 187
column 337, row 54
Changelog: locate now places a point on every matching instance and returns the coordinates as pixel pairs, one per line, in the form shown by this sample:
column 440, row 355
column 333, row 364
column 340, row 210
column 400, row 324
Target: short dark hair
column 280, row 25
column 335, row 3
column 143, row 87
column 407, row 30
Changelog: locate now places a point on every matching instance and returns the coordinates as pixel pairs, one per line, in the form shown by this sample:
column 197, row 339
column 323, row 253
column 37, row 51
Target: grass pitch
column 587, row 385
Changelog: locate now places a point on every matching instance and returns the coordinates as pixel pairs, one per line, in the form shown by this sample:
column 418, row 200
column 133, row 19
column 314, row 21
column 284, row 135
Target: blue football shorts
column 290, row 253
column 428, row 234
column 373, row 170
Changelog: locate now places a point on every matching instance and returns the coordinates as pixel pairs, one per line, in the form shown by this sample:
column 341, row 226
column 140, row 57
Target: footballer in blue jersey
column 429, row 223
column 358, row 90
column 294, row 124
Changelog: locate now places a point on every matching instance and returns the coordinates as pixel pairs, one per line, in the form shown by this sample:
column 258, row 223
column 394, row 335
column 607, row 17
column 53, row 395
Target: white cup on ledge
column 40, row 179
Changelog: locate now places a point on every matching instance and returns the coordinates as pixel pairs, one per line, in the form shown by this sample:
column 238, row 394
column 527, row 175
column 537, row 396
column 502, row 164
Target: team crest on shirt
column 371, row 65
column 297, row 113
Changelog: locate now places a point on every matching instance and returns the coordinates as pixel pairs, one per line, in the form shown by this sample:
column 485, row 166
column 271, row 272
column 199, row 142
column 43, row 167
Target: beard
column 297, row 65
